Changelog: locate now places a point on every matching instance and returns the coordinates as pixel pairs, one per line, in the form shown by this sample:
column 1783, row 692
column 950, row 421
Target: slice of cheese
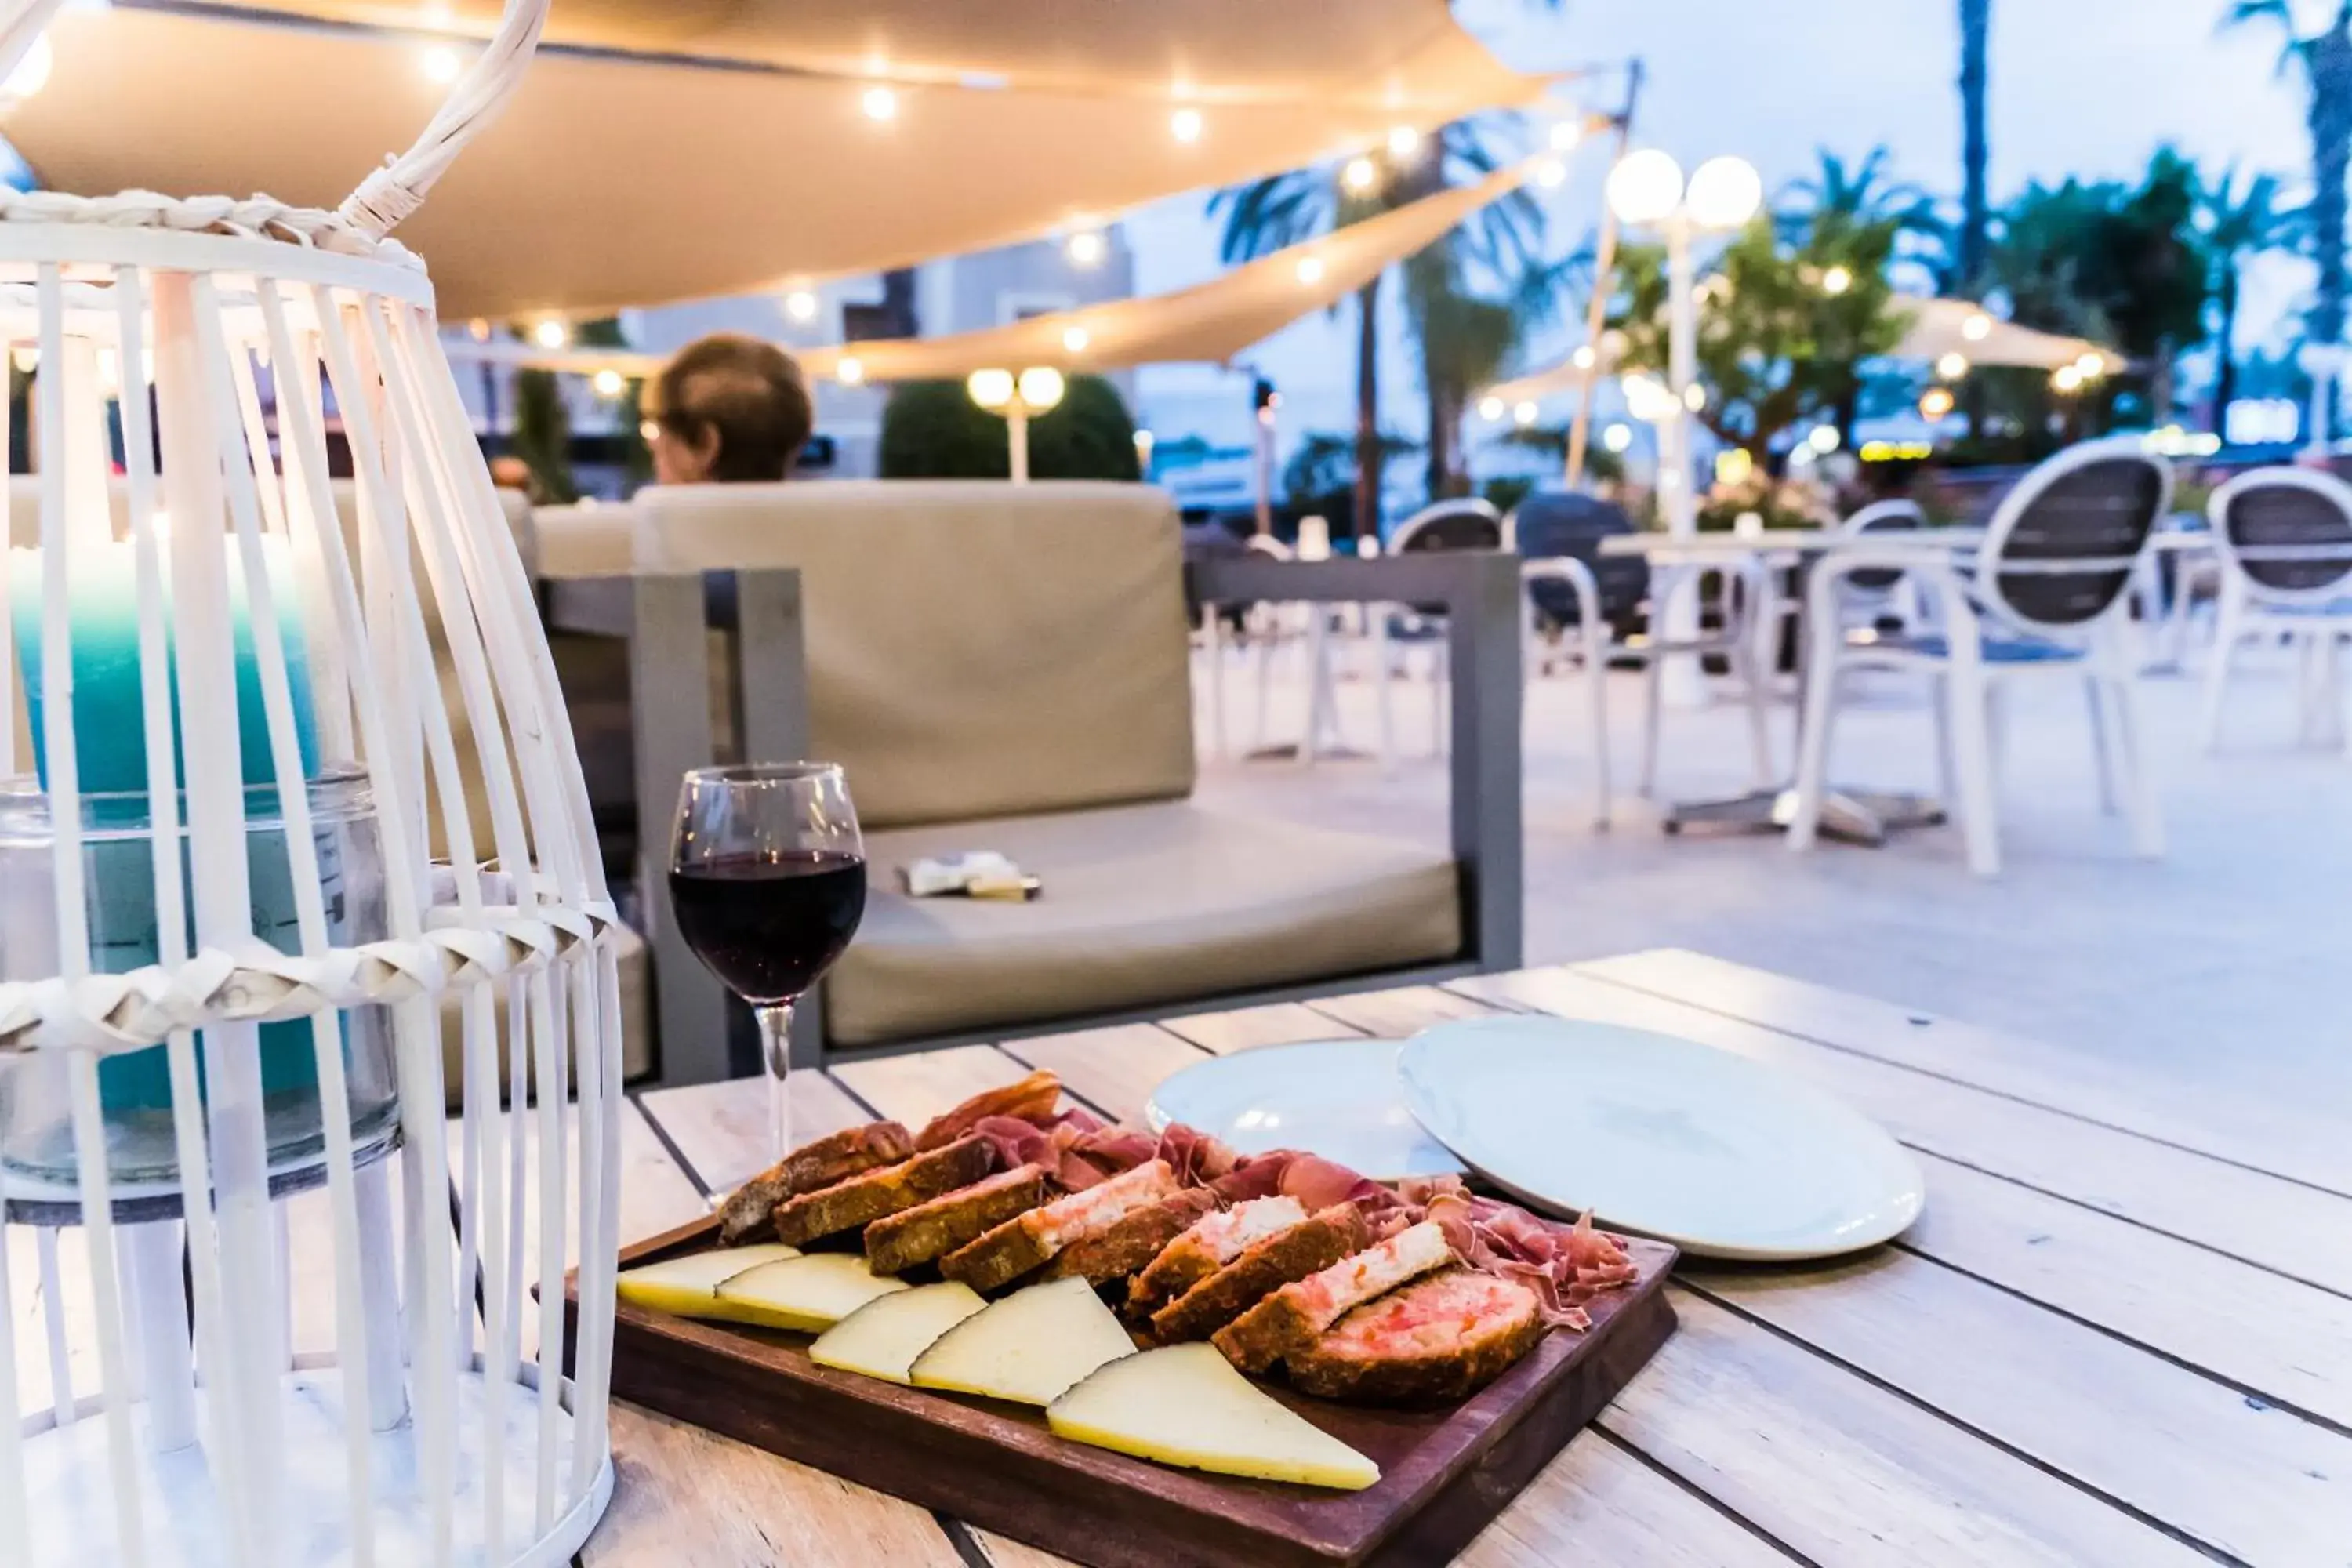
column 1029, row 1347
column 883, row 1338
column 809, row 1293
column 1186, row 1405
column 685, row 1286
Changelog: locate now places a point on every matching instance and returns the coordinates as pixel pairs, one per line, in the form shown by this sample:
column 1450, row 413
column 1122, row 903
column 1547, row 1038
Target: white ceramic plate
column 1338, row 1098
column 1723, row 1156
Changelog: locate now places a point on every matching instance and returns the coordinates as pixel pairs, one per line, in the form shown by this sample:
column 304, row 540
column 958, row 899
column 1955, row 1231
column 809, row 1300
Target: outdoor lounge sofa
column 1006, row 667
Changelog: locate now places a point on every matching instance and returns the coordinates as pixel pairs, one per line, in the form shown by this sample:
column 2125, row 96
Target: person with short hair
column 728, row 409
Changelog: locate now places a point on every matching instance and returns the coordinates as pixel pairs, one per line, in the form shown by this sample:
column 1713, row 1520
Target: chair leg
column 1215, row 628
column 1820, row 689
column 1759, row 717
column 1972, row 755
column 1596, row 693
column 1652, row 700
column 1384, row 674
column 1319, row 687
column 2140, row 808
column 1441, row 689
column 2100, row 750
column 1996, row 704
column 1265, row 638
column 1946, row 774
column 2228, row 623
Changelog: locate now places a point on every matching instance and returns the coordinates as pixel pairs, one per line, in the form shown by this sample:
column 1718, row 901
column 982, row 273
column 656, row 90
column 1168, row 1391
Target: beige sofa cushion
column 976, row 650
column 1143, row 905
column 593, row 539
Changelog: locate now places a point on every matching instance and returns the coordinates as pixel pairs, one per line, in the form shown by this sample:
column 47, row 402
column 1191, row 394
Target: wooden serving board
column 1444, row 1473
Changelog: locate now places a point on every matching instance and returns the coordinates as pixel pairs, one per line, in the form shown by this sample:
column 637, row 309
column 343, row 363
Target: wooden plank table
column 2121, row 1334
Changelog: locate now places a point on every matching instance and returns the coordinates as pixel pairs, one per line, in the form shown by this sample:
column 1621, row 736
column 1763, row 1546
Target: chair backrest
column 2287, row 532
column 1268, row 545
column 1468, row 523
column 975, row 649
column 1882, row 517
column 1564, row 522
column 2063, row 544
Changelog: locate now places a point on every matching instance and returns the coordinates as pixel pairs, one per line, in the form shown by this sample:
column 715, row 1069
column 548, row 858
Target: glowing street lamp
column 1647, row 189
column 1034, row 390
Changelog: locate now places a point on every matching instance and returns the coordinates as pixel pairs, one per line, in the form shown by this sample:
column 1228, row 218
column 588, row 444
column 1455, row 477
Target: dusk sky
column 2082, row 87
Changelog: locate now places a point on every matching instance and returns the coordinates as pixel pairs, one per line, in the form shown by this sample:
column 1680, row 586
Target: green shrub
column 933, row 430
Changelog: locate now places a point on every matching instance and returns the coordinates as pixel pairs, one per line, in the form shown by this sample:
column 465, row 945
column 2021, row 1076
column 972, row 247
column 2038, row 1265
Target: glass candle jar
column 36, row 1152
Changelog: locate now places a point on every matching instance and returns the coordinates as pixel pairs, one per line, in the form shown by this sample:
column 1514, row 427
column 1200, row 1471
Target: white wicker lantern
column 266, row 1306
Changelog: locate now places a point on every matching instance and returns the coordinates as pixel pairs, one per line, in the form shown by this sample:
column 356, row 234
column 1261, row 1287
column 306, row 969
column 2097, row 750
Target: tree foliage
column 1778, row 343
column 933, row 430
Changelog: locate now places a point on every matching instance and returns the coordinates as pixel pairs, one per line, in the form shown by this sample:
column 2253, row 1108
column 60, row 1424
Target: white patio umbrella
column 660, row 153
column 1963, row 327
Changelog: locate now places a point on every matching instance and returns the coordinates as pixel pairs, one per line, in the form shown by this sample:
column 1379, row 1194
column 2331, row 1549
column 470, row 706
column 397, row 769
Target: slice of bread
column 1208, row 1247
column 1262, row 1268
column 878, row 1193
column 835, row 1157
column 1131, row 1241
column 1436, row 1340
column 1029, row 1241
column 1296, row 1316
column 932, row 1230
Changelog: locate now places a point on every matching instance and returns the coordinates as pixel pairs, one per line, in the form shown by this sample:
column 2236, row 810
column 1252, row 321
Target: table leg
column 1849, row 816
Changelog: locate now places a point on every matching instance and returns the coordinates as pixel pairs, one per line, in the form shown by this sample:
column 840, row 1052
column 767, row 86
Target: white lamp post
column 1036, row 391
column 1647, row 188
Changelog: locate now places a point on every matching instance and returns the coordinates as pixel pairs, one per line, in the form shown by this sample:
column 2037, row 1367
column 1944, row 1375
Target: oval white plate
column 1338, row 1098
column 1723, row 1156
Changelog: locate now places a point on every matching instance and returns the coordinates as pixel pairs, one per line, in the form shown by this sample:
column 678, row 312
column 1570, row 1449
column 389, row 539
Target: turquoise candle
column 110, row 758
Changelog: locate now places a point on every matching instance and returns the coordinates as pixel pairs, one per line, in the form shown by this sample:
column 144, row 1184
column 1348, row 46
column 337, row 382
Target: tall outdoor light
column 1035, row 391
column 1646, row 189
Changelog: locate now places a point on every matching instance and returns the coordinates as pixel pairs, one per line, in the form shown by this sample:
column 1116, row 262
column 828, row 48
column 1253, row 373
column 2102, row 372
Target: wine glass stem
column 775, row 1061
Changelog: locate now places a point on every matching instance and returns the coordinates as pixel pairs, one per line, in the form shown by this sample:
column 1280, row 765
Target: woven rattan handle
column 390, row 192
column 393, row 192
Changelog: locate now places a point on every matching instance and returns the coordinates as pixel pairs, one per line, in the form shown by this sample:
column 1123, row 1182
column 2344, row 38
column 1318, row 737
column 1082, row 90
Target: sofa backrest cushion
column 975, row 649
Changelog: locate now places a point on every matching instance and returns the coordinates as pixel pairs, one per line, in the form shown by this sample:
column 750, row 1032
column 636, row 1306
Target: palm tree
column 1976, row 154
column 2240, row 224
column 1503, row 239
column 1863, row 192
column 1282, row 210
column 2327, row 60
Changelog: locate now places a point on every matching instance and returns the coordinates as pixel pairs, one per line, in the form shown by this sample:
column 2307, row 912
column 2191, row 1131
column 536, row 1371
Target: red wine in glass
column 770, row 925
column 767, row 883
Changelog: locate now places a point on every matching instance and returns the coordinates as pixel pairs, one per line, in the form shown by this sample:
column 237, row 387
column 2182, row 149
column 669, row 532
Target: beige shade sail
column 1209, row 322
column 1568, row 375
column 614, row 179
column 1940, row 327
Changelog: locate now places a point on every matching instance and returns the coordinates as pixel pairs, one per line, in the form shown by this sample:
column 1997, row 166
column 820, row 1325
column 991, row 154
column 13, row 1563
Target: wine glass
column 767, row 881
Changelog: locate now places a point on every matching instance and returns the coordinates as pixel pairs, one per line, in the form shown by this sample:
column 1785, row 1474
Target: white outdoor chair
column 1467, row 523
column 2285, row 537
column 1589, row 594
column 2046, row 597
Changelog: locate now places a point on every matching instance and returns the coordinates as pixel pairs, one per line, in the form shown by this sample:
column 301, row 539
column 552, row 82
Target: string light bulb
column 1074, row 338
column 850, row 371
column 1404, row 140
column 1565, row 135
column 1311, row 269
column 1086, row 247
column 1490, row 409
column 800, row 305
column 1953, row 365
column 1583, row 358
column 1935, row 403
column 440, row 63
column 1977, row 328
column 1837, row 280
column 1185, row 125
column 552, row 333
column 1360, row 176
column 880, row 104
column 2067, row 378
column 1618, row 437
column 1550, row 172
column 1524, row 414
column 608, row 382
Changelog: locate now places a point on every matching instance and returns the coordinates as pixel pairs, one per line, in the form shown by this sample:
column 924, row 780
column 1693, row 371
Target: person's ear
column 703, row 451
